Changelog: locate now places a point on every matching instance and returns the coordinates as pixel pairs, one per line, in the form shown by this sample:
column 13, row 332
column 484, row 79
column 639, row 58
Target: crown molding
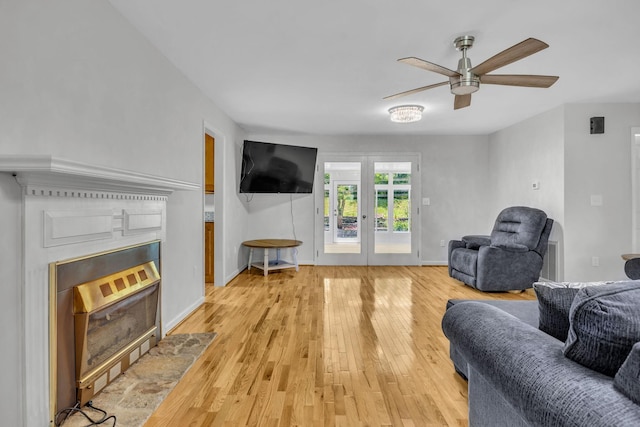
column 48, row 172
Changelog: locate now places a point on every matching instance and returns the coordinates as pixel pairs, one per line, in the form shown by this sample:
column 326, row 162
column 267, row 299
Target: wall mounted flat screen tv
column 277, row 168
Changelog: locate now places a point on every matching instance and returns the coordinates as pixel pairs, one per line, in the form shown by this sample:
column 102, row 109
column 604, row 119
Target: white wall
column 557, row 149
column 454, row 174
column 532, row 150
column 10, row 266
column 78, row 82
column 598, row 164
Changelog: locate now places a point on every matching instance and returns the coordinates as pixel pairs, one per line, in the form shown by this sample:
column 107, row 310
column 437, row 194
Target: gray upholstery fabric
column 526, row 368
column 627, row 379
column 487, row 407
column 453, row 245
column 518, row 228
column 466, row 260
column 554, row 303
column 632, row 268
column 526, row 311
column 604, row 325
column 474, row 242
column 513, row 259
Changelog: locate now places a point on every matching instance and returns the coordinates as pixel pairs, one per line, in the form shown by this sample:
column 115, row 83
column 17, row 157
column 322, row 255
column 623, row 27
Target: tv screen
column 277, row 168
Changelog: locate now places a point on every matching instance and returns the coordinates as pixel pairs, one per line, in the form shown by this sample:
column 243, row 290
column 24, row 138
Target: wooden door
column 209, row 161
column 208, row 252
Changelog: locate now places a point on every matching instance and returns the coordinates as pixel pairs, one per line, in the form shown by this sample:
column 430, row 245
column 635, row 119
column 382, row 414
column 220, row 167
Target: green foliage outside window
column 402, row 178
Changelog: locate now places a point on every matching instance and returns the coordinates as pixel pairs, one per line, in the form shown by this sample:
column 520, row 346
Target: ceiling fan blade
column 429, row 66
column 519, row 80
column 512, row 54
column 462, row 101
column 412, row 91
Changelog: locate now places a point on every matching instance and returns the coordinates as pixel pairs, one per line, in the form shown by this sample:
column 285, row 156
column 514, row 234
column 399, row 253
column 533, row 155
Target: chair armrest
column 453, row 244
column 475, row 241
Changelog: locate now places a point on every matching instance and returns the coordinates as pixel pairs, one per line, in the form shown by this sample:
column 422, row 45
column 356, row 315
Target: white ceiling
column 323, row 67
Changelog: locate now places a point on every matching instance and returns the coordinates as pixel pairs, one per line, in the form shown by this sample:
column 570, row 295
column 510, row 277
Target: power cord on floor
column 64, row 414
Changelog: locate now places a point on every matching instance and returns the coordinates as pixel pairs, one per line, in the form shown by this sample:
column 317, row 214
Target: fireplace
column 77, row 223
column 106, row 316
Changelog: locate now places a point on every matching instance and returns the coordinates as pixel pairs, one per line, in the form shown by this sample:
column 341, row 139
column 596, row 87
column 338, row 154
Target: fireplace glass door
column 111, row 329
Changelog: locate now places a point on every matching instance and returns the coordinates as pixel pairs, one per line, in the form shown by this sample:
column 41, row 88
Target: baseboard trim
column 170, row 326
column 434, row 263
column 233, row 275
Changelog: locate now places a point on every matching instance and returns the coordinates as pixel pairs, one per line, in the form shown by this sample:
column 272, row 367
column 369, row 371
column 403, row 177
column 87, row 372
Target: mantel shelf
column 52, row 172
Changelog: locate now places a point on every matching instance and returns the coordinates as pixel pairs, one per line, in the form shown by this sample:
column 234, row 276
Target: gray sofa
column 510, row 258
column 518, row 375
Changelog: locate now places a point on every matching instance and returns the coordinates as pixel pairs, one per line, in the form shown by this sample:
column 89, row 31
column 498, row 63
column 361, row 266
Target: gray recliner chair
column 509, row 259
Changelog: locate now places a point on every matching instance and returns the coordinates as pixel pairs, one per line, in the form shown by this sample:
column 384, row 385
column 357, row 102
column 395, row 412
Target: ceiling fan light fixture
column 465, row 87
column 406, row 113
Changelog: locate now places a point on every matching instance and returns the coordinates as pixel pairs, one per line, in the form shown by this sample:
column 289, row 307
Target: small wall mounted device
column 596, row 125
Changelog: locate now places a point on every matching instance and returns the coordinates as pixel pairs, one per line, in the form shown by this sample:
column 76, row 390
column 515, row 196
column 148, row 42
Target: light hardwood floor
column 343, row 346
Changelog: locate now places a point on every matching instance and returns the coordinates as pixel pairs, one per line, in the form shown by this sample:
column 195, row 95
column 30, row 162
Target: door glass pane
column 382, row 210
column 401, row 210
column 392, row 182
column 347, row 223
column 401, row 178
column 342, row 207
column 327, row 207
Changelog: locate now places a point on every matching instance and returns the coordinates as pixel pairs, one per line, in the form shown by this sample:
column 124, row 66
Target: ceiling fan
column 466, row 79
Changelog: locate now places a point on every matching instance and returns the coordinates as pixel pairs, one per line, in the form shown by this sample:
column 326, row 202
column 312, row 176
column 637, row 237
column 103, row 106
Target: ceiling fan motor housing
column 467, row 82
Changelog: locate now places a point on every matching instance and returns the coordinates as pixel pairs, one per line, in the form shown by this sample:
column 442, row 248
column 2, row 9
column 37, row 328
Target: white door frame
column 635, row 189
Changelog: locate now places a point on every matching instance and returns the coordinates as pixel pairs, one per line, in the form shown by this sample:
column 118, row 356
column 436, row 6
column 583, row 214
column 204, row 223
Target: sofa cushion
column 627, row 379
column 554, row 302
column 604, row 323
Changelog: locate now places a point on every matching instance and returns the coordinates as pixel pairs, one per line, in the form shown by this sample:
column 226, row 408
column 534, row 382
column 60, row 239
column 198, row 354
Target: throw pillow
column 627, row 379
column 604, row 325
column 554, row 302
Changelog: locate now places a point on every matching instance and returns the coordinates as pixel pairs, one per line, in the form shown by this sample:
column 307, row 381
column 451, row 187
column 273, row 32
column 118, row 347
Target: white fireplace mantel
column 35, row 172
column 72, row 209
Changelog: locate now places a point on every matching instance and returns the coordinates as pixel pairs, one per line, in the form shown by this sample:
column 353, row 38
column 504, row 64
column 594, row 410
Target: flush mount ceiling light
column 406, row 113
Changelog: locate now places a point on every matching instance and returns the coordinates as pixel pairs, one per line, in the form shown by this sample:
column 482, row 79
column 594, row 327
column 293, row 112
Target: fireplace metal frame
column 63, row 277
column 97, row 295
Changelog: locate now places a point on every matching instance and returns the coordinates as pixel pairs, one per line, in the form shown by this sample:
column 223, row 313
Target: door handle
column 364, row 217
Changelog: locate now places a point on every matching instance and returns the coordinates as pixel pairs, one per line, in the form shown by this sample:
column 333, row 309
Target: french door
column 367, row 213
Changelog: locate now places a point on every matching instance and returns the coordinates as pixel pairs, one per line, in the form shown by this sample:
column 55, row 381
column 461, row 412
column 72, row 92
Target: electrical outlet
column 595, row 261
column 441, row 242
